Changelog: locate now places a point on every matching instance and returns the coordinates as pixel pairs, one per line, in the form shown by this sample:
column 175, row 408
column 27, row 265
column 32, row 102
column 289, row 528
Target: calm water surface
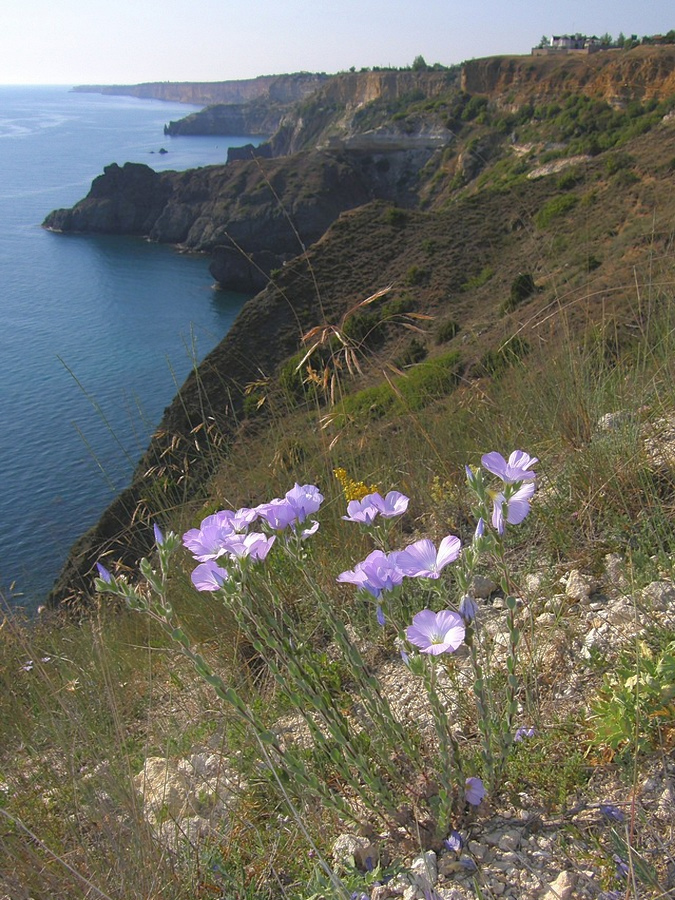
column 96, row 333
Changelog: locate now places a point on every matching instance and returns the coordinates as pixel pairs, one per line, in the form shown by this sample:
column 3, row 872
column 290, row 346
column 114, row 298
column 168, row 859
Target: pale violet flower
column 522, row 733
column 305, row 500
column 255, row 544
column 421, row 560
column 159, row 537
column 366, row 510
column 516, row 469
column 454, row 841
column 278, row 513
column 394, row 504
column 474, row 791
column 283, row 512
column 103, row 573
column 468, row 608
column 308, row 532
column 363, row 512
column 378, row 572
column 209, row 540
column 436, row 633
column 208, row 576
column 512, row 509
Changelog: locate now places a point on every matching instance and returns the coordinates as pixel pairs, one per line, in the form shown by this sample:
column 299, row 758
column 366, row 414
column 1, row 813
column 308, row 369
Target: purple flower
column 308, row 532
column 366, row 510
column 380, row 616
column 420, row 560
column 159, row 537
column 512, row 509
column 516, row 469
column 278, row 513
column 480, row 529
column 454, row 841
column 522, row 733
column 394, row 504
column 208, row 541
column 474, row 791
column 208, row 576
column 103, row 573
column 436, row 633
column 376, row 573
column 256, row 545
column 622, row 867
column 611, row 812
column 305, row 500
column 363, row 512
column 300, row 502
column 468, row 608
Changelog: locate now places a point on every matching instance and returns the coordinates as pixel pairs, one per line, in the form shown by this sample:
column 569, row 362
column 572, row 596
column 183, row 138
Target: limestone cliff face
column 241, row 213
column 616, row 76
column 278, row 88
column 259, row 117
column 354, row 110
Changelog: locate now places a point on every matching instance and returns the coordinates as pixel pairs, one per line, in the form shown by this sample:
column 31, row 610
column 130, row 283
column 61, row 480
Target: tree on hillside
column 419, row 64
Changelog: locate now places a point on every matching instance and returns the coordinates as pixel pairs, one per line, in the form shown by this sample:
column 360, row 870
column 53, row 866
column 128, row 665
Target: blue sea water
column 96, row 333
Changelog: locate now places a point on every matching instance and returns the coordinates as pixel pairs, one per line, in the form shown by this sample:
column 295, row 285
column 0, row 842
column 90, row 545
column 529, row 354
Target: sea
column 97, row 333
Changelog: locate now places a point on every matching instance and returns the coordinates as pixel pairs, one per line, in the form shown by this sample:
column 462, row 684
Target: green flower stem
column 450, row 768
column 485, row 718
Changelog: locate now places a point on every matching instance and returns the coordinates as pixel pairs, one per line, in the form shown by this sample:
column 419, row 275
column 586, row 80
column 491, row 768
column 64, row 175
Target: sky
column 130, row 41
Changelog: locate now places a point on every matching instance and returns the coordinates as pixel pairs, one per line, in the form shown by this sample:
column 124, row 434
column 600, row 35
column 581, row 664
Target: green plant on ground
column 635, row 707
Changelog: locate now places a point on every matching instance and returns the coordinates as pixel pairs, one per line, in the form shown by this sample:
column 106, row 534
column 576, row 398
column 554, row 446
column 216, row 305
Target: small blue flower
column 468, row 608
column 380, row 615
column 611, row 812
column 103, row 573
column 159, row 537
column 622, row 868
column 454, row 841
column 522, row 733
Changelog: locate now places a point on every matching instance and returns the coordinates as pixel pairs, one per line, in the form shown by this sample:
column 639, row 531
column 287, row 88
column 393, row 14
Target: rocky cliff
column 259, row 117
column 251, row 216
column 617, row 76
column 277, row 88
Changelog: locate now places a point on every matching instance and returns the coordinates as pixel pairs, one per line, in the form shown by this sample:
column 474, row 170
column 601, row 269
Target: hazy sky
column 129, row 41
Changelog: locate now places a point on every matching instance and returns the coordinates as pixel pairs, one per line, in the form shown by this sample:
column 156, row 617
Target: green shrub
column 479, row 280
column 555, row 208
column 493, row 362
column 415, row 352
column 569, row 180
column 522, row 287
column 396, row 217
column 416, row 275
column 446, row 331
column 427, row 381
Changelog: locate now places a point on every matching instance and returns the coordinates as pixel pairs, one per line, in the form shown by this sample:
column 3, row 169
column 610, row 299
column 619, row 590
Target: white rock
column 562, row 887
column 510, row 840
column 353, row 846
column 579, row 586
column 164, row 787
column 660, row 594
column 621, row 612
column 424, row 870
column 534, row 583
column 482, row 587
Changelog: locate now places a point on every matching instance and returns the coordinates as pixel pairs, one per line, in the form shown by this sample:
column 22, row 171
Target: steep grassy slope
column 565, row 206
